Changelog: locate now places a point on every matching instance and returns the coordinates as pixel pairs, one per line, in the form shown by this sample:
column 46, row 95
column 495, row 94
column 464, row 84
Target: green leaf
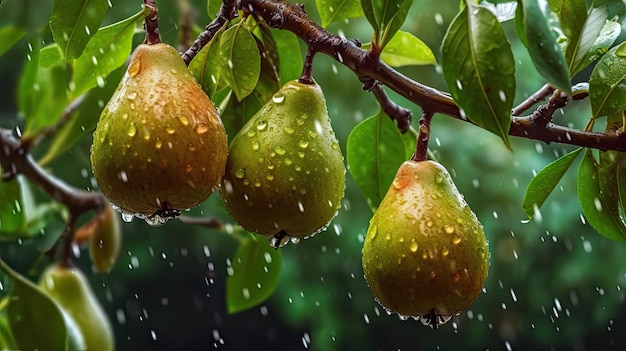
column 608, row 34
column 255, row 273
column 107, row 50
column 581, row 29
column 83, row 119
column 338, row 10
column 203, row 66
column 375, row 150
column 16, row 207
column 241, row 61
column 410, row 141
column 73, row 22
column 594, row 205
column 542, row 46
column 42, row 93
column 28, row 15
column 479, row 68
column 50, row 55
column 290, row 61
column 9, row 35
column 6, row 336
column 386, row 17
column 607, row 83
column 405, row 49
column 213, row 7
column 36, row 321
column 544, row 182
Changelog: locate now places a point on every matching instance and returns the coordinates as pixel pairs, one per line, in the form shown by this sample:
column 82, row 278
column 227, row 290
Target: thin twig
column 227, row 12
column 307, row 70
column 538, row 96
column 401, row 115
column 208, row 222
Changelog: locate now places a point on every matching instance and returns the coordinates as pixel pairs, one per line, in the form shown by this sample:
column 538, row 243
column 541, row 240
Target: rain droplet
column 240, row 173
column 158, row 143
column 134, row 68
column 448, row 228
column 289, row 130
column 131, row 95
column 413, row 246
column 278, row 98
column 170, row 130
column 201, row 128
column 132, row 130
column 184, row 120
column 280, row 150
column 256, row 145
column 251, row 133
column 303, row 144
column 261, row 125
column 456, row 240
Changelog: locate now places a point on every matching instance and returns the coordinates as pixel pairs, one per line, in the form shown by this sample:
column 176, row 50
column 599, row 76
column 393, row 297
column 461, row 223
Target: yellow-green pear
column 69, row 288
column 285, row 175
column 425, row 252
column 160, row 144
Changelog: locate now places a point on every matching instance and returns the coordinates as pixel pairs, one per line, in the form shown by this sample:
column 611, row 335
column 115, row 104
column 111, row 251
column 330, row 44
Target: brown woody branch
column 227, row 12
column 287, row 16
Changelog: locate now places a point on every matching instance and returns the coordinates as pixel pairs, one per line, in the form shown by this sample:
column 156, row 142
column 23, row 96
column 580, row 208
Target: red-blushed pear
column 160, row 145
column 425, row 252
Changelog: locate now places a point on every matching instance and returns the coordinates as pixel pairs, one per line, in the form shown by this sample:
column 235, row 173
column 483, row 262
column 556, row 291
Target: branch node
column 401, row 115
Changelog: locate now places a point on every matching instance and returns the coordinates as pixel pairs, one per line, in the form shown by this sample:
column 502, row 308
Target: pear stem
column 307, row 71
column 421, row 149
column 151, row 23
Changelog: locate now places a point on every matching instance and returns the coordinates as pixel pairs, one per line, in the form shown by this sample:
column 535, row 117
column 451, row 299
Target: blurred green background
column 554, row 283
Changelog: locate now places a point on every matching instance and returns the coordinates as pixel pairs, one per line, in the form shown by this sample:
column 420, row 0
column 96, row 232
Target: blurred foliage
column 554, row 282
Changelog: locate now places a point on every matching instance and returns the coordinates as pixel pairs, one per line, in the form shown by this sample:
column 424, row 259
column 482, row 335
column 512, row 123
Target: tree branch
column 227, row 12
column 287, row 16
column 15, row 160
column 401, row 115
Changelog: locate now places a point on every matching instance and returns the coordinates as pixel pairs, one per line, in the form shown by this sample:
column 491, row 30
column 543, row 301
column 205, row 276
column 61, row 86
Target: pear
column 69, row 288
column 159, row 145
column 285, row 175
column 106, row 240
column 425, row 252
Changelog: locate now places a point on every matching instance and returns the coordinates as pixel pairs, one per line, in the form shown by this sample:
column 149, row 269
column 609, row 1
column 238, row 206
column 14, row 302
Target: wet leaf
column 241, row 61
column 6, row 335
column 545, row 181
column 28, row 15
column 479, row 68
column 83, row 120
column 595, row 206
column 32, row 313
column 16, row 207
column 608, row 34
column 255, row 273
column 213, row 7
column 405, row 49
column 581, row 29
column 42, row 93
column 607, row 83
column 410, row 141
column 386, row 17
column 545, row 53
column 375, row 150
column 289, row 56
column 338, row 10
column 74, row 22
column 9, row 35
column 107, row 50
column 50, row 55
column 203, row 66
